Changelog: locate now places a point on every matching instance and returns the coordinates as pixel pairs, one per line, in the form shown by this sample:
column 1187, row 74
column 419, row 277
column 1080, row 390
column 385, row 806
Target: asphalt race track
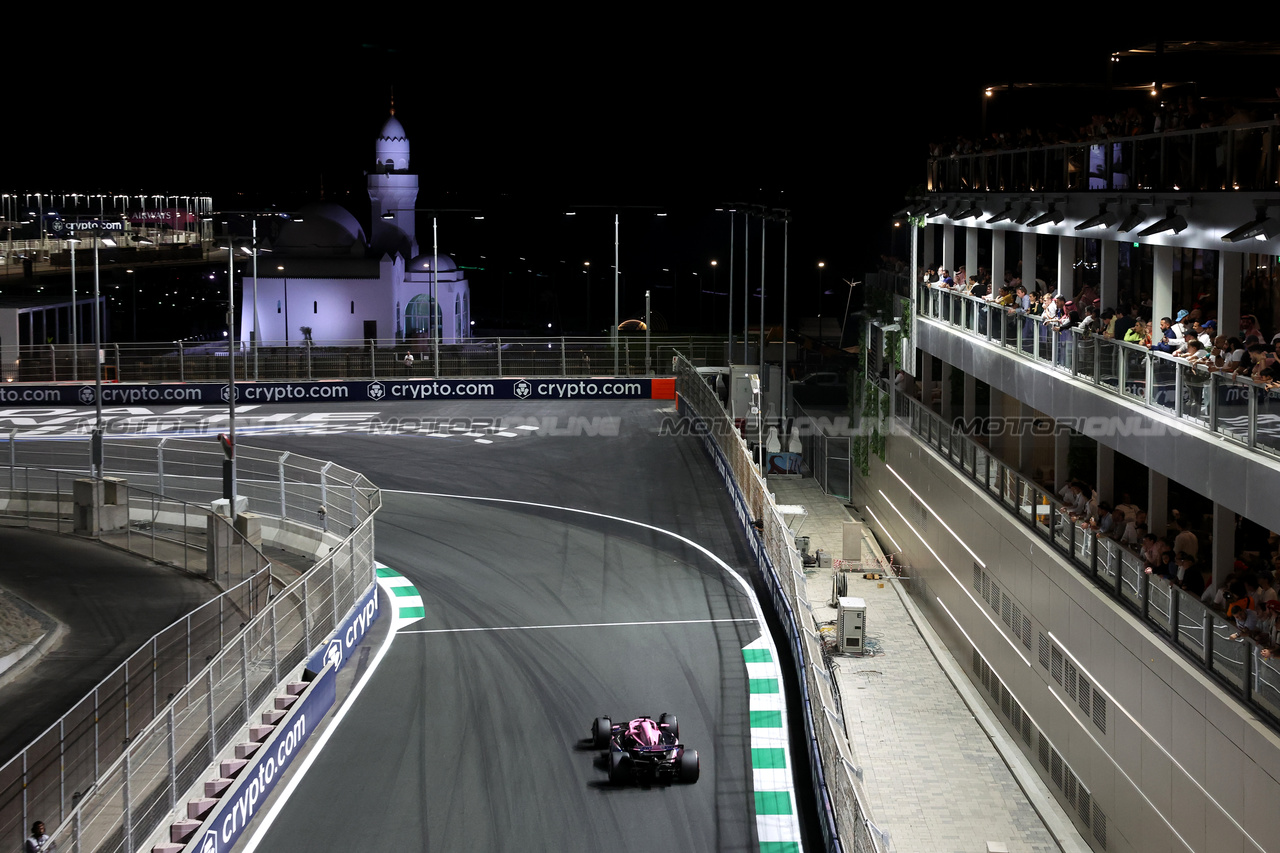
column 468, row 739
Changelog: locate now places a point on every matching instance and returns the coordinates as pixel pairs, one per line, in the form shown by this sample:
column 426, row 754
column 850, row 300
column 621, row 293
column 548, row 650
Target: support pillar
column 1109, row 285
column 947, row 413
column 1029, row 260
column 1224, row 542
column 1105, row 476
column 926, row 248
column 1157, row 503
column 1067, row 269
column 1230, row 269
column 970, row 397
column 997, row 258
column 1026, row 440
column 971, row 251
column 1162, row 284
column 1061, row 466
column 949, row 246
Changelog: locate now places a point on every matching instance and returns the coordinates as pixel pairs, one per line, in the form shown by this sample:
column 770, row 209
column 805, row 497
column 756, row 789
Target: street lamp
column 821, row 266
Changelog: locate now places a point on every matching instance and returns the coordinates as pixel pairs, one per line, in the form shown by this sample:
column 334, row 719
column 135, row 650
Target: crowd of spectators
column 1246, row 596
column 1176, row 114
column 1191, row 334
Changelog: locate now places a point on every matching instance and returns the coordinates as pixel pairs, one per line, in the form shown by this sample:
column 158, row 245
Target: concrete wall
column 1172, row 740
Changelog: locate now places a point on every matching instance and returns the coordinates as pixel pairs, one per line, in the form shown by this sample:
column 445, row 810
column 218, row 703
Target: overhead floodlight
column 1105, row 218
column 938, row 209
column 1024, row 217
column 1262, row 227
column 970, row 212
column 1135, row 218
column 1052, row 216
column 1173, row 221
column 1004, row 215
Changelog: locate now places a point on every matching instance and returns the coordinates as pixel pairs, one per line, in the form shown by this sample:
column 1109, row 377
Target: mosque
column 329, row 281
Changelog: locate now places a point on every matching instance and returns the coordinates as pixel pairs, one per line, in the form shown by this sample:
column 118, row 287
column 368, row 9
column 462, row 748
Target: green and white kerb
column 777, row 824
column 406, row 602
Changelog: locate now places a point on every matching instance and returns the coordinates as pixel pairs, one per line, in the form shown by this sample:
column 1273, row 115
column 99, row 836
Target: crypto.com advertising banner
column 377, row 390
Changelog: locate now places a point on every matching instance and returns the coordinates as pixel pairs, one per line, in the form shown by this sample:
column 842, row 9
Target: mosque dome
column 321, row 229
column 422, row 263
column 391, row 151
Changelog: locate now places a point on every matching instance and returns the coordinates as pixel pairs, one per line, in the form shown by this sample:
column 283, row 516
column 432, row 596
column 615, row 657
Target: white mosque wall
column 336, row 309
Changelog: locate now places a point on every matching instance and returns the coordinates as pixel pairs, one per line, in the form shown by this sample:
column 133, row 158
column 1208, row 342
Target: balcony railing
column 1214, row 158
column 1206, row 637
column 1235, row 408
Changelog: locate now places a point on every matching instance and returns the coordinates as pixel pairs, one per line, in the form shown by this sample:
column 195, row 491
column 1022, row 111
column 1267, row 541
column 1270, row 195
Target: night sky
column 523, row 118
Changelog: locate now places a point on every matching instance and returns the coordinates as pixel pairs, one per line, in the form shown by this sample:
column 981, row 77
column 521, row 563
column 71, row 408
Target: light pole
column 616, row 273
column 821, row 266
column 133, row 283
column 75, row 337
column 587, row 269
column 96, row 439
column 646, row 333
column 257, row 334
column 229, row 463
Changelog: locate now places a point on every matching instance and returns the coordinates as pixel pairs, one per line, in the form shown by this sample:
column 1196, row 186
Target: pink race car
column 645, row 749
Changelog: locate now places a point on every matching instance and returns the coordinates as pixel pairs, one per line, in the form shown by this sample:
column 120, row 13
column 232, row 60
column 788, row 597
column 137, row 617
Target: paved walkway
column 940, row 773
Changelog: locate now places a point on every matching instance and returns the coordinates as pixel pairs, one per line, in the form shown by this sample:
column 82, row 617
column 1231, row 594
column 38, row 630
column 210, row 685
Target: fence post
column 173, row 762
column 275, row 650
column 306, row 615
column 160, row 465
column 308, row 348
column 155, row 676
column 324, row 496
column 354, row 507
column 13, row 458
column 626, row 346
column 53, row 362
column 95, row 732
column 564, row 370
column 213, row 721
column 284, row 505
column 182, row 363
column 499, row 358
column 128, row 818
column 116, row 350
column 62, row 768
column 244, row 676
column 373, row 360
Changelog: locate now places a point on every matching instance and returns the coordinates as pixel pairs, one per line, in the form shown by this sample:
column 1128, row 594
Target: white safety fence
column 846, row 824
column 107, row 773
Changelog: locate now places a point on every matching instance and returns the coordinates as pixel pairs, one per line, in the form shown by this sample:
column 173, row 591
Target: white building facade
column 325, row 279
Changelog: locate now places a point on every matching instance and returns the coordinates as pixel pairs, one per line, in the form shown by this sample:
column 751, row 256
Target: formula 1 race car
column 643, row 749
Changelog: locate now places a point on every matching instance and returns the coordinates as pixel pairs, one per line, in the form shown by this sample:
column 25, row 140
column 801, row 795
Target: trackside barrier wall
column 846, row 824
column 114, row 767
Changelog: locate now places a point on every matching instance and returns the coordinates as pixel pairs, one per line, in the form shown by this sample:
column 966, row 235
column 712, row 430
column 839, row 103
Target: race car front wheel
column 601, row 729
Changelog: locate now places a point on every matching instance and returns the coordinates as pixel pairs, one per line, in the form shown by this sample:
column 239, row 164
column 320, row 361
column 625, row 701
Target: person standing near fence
column 39, row 842
column 408, row 363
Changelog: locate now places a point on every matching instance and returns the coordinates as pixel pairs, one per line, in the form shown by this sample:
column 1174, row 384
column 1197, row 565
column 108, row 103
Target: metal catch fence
column 109, row 771
column 848, row 825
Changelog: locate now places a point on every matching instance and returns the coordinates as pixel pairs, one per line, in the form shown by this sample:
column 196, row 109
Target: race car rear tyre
column 671, row 723
column 601, row 729
column 617, row 767
column 688, row 767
